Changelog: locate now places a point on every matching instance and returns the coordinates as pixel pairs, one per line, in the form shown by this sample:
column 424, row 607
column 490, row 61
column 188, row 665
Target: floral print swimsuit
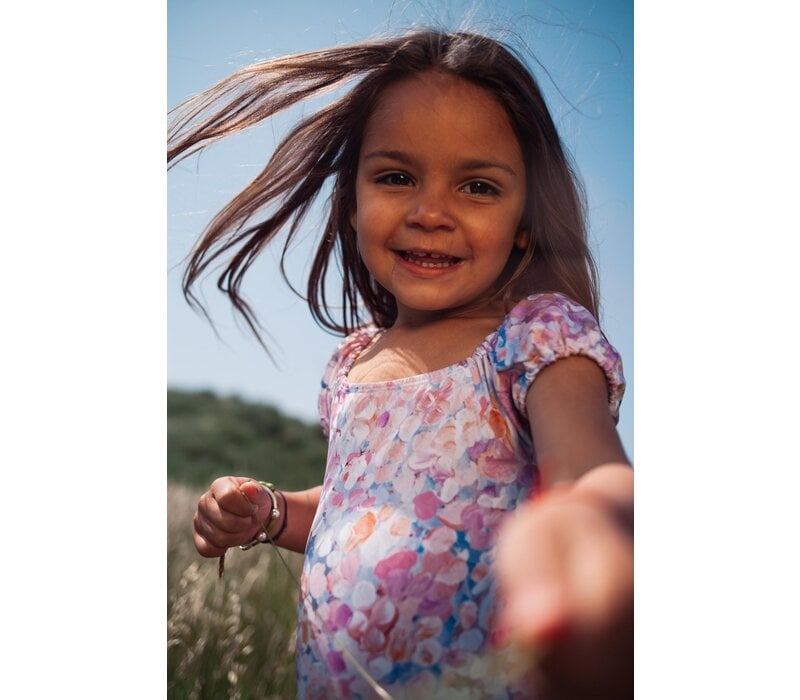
column 420, row 473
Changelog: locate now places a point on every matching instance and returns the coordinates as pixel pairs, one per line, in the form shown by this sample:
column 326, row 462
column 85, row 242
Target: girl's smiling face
column 440, row 193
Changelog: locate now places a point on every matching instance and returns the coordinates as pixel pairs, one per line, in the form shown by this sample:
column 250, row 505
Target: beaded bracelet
column 265, row 534
column 285, row 517
column 274, row 514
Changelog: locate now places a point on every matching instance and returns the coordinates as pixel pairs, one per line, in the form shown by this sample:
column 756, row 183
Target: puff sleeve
column 547, row 327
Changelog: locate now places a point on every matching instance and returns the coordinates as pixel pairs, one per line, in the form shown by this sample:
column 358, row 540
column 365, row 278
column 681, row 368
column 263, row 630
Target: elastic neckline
column 370, row 334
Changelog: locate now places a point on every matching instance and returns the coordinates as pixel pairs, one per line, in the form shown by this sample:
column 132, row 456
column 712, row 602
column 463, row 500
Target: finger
column 215, row 517
column 255, row 492
column 226, row 491
column 220, row 539
column 206, row 548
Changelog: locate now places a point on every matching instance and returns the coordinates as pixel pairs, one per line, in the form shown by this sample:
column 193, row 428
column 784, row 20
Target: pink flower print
column 449, row 490
column 428, row 652
column 426, row 505
column 470, row 640
column 450, row 514
column 374, row 640
column 418, row 586
column 348, row 567
column 498, row 425
column 357, row 625
column 422, row 457
column 479, row 535
column 335, row 662
column 475, row 375
column 397, row 582
column 383, row 614
column 408, row 485
column 385, row 513
column 434, row 404
column 342, row 616
column 467, row 474
column 402, row 560
column 444, row 589
column 480, row 571
column 400, row 527
column 317, row 582
column 439, row 539
column 455, row 658
column 468, row 614
column 437, row 451
column 429, row 627
column 436, row 606
column 495, row 460
column 401, row 644
column 383, row 419
column 362, row 530
column 364, row 595
column 408, row 428
column 384, row 472
column 354, row 498
column 356, row 466
column 315, row 688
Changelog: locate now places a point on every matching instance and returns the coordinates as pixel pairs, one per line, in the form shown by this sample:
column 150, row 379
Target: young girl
column 473, row 376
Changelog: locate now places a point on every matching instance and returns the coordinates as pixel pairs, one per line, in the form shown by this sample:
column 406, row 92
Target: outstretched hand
column 565, row 570
column 230, row 513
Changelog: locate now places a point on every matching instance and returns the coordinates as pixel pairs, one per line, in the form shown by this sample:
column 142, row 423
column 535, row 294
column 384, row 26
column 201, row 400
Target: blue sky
column 581, row 53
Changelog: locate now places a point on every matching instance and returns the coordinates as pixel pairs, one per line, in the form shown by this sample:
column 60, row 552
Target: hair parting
column 322, row 151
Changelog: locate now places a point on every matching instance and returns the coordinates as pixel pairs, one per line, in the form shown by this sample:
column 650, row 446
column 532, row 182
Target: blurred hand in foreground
column 565, row 570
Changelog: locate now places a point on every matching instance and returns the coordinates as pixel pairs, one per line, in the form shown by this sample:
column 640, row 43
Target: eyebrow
column 473, row 164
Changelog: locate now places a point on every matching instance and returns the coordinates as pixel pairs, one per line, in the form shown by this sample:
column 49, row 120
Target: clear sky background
column 582, row 55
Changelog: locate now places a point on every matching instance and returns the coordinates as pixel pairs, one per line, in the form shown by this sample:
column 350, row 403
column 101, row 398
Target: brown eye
column 479, row 187
column 397, row 179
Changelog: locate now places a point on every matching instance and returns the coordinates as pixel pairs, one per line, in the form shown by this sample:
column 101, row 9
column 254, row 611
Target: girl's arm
column 234, row 509
column 573, row 431
column 574, row 436
column 565, row 560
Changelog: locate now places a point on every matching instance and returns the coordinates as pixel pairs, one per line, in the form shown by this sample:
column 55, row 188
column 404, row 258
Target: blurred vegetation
column 210, row 436
column 232, row 638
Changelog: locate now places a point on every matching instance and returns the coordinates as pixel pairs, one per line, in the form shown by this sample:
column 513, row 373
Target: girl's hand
column 565, row 570
column 230, row 513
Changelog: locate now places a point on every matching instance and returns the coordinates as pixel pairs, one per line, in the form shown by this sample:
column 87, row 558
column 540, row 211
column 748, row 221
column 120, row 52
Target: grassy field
column 229, row 638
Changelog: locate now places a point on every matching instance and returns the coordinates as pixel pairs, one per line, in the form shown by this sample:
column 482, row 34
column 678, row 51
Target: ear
column 353, row 219
column 521, row 240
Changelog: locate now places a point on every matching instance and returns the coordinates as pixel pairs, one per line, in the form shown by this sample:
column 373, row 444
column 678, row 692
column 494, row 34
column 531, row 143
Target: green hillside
column 211, row 436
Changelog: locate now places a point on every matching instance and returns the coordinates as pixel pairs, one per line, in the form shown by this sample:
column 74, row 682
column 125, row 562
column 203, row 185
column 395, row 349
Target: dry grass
column 232, row 638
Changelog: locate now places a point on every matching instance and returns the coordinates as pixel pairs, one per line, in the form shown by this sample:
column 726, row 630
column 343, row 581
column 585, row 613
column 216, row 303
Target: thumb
column 255, row 492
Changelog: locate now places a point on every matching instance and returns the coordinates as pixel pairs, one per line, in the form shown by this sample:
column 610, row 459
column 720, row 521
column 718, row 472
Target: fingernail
column 244, row 489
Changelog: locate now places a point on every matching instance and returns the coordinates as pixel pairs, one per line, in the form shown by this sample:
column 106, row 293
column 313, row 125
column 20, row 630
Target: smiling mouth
column 428, row 259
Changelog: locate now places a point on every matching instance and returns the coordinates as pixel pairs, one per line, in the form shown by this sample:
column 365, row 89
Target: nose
column 431, row 210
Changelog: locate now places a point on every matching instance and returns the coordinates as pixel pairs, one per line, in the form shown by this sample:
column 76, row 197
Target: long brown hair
column 326, row 146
